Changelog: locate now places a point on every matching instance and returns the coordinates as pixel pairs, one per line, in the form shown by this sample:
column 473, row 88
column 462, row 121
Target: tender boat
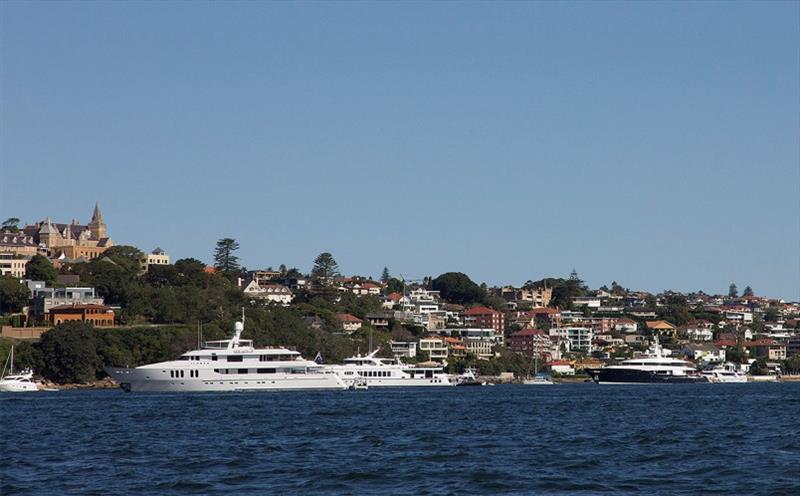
column 656, row 368
column 388, row 372
column 229, row 365
column 21, row 382
column 469, row 378
column 724, row 374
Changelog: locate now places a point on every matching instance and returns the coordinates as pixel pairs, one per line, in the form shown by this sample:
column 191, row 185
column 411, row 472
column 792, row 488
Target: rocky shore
column 106, row 383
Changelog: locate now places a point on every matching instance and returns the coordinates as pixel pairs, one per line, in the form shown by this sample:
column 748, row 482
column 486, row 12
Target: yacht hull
column 15, row 387
column 619, row 376
column 148, row 380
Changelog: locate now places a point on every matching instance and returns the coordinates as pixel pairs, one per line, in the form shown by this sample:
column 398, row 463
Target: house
column 378, row 320
column 434, row 347
column 404, row 349
column 45, row 298
column 698, row 330
column 704, row 353
column 626, row 325
column 12, row 265
column 767, row 348
column 97, row 315
column 531, row 342
column 348, row 322
column 661, row 327
column 485, row 318
column 155, row 257
column 455, row 347
column 562, row 367
column 272, row 293
column 480, row 342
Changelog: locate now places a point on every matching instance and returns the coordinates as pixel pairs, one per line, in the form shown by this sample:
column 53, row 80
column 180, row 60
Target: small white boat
column 469, row 378
column 539, row 380
column 16, row 383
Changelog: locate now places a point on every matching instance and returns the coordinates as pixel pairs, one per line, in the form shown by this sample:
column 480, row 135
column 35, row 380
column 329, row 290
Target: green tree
column 676, row 309
column 748, row 291
column 224, row 259
column 457, row 287
column 385, row 275
column 394, row 285
column 733, row 292
column 69, row 354
column 129, row 258
column 39, row 268
column 325, row 267
column 13, row 295
column 11, row 224
column 771, row 314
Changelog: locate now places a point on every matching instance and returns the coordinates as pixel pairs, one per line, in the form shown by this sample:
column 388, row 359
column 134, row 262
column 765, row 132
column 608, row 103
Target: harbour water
column 565, row 439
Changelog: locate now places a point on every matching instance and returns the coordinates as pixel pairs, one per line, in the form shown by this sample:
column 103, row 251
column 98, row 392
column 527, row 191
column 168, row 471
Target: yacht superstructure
column 229, row 365
column 388, row 372
column 656, row 368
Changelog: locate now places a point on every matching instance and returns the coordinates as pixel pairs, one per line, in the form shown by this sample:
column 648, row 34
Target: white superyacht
column 388, row 372
column 229, row 365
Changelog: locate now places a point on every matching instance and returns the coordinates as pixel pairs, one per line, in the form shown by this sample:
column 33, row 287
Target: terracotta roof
column 346, row 317
column 659, row 324
column 544, row 310
column 86, row 306
column 480, row 311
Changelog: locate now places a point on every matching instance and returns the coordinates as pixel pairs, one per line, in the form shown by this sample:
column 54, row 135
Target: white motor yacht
column 21, row 382
column 388, row 372
column 726, row 373
column 229, row 365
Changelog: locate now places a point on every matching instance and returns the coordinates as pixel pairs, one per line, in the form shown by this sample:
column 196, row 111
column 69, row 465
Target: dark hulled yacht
column 656, row 368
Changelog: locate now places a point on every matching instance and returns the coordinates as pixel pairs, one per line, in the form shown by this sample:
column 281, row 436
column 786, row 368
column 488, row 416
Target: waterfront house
column 661, row 327
column 531, row 342
column 562, row 367
column 579, row 338
column 97, row 315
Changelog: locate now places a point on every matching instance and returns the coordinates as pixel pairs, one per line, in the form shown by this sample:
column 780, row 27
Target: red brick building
column 485, row 318
column 531, row 342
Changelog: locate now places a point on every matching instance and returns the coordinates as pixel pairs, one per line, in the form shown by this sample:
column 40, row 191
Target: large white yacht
column 21, row 382
column 388, row 372
column 229, row 365
column 656, row 368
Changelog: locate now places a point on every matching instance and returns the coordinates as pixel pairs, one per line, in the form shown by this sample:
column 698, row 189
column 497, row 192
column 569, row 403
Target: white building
column 404, row 349
column 435, row 348
column 10, row 266
column 156, row 257
column 273, row 293
column 579, row 338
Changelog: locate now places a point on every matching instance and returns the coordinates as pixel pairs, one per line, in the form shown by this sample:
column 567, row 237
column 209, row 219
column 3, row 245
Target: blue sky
column 656, row 144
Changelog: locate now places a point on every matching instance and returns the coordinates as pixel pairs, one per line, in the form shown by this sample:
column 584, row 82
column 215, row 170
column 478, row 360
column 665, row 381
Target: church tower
column 97, row 227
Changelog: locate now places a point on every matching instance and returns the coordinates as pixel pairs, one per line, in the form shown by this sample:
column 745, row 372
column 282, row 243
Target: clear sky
column 655, row 144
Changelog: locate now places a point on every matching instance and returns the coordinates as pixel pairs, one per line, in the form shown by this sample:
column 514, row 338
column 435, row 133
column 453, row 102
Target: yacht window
column 235, row 358
column 266, row 371
column 171, row 373
column 186, row 358
column 242, row 371
column 214, row 357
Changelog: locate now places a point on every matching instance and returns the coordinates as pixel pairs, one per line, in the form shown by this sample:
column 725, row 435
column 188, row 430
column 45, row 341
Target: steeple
column 97, row 227
column 97, row 218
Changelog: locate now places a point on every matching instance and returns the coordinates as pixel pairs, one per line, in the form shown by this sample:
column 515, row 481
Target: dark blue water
column 568, row 439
